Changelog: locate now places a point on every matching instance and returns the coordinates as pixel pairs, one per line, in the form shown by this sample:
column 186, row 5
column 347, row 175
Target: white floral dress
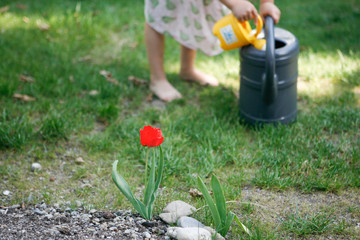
column 189, row 22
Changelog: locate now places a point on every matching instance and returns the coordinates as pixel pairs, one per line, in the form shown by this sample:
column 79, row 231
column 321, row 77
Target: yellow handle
column 259, row 25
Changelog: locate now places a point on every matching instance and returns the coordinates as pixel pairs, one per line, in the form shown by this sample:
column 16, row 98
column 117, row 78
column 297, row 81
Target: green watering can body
column 268, row 79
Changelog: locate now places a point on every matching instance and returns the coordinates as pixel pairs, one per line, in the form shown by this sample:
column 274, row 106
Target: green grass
column 317, row 223
column 320, row 152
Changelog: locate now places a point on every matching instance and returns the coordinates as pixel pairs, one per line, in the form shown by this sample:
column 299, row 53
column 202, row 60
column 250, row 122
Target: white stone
column 213, row 232
column 189, row 233
column 186, row 222
column 176, row 209
column 6, row 192
column 146, row 235
column 35, row 166
column 169, row 218
column 92, row 211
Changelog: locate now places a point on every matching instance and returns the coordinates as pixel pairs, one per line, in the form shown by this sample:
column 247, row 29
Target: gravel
column 41, row 221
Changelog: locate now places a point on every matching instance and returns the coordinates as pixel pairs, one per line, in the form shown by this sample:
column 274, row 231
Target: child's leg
column 188, row 71
column 159, row 85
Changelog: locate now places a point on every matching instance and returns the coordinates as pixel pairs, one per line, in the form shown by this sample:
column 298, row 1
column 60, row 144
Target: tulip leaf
column 225, row 227
column 160, row 170
column 210, row 203
column 123, row 186
column 219, row 198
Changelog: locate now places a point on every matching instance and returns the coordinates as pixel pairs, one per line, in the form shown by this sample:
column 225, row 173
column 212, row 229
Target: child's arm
column 245, row 11
column 268, row 8
column 242, row 9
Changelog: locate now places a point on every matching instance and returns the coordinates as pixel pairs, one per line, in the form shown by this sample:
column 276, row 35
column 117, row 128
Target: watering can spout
column 259, row 44
column 270, row 81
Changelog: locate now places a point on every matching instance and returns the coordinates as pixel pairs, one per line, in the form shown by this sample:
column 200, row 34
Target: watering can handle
column 269, row 86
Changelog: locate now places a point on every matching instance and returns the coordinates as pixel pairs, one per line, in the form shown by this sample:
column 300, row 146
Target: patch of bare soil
column 274, row 207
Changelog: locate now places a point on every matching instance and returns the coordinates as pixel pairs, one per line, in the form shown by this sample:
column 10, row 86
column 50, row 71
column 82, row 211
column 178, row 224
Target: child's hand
column 242, row 10
column 269, row 9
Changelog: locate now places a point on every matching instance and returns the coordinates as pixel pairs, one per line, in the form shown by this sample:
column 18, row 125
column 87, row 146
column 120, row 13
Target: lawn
column 74, row 58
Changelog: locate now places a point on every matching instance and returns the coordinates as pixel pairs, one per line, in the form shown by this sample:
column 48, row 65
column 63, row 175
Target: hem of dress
column 182, row 43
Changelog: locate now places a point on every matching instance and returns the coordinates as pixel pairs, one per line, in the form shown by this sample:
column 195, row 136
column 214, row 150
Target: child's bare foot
column 164, row 90
column 200, row 77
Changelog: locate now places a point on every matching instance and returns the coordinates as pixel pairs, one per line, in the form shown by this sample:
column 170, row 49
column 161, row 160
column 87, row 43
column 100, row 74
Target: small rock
column 79, row 160
column 214, row 233
column 148, row 224
column 39, row 212
column 35, row 167
column 74, row 213
column 189, row 233
column 6, row 192
column 92, row 211
column 187, row 222
column 48, row 216
column 118, row 213
column 176, row 209
column 15, row 206
column 113, row 229
column 108, row 215
column 146, row 235
column 65, row 230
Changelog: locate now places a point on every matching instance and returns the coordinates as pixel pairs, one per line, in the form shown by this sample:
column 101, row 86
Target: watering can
column 235, row 34
column 268, row 79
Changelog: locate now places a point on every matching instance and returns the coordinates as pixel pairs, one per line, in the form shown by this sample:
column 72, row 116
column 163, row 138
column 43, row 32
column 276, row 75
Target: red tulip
column 151, row 137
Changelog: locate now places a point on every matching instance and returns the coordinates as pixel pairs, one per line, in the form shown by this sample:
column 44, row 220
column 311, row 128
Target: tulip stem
column 146, row 164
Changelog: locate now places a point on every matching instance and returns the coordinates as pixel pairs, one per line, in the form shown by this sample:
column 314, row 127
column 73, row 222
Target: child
column 190, row 23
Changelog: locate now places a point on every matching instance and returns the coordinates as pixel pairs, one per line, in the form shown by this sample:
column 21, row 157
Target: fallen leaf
column 195, row 193
column 21, row 6
column 84, row 59
column 113, row 81
column 4, row 9
column 24, row 97
column 43, row 26
column 108, row 77
column 26, row 20
column 52, row 179
column 137, row 81
column 149, row 97
column 25, row 78
column 105, row 73
column 23, row 205
column 93, row 92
